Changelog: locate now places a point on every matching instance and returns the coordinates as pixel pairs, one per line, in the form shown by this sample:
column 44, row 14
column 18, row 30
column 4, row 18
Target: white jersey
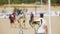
column 20, row 15
column 41, row 28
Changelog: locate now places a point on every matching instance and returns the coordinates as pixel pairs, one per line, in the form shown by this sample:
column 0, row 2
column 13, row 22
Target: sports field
column 6, row 29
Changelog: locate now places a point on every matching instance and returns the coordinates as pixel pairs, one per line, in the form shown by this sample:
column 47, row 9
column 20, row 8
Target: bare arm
column 46, row 29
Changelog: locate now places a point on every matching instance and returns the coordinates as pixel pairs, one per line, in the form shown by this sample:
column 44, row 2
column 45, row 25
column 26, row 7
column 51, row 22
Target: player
column 12, row 18
column 43, row 26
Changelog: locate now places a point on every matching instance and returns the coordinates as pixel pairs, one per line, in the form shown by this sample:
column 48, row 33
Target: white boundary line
column 49, row 9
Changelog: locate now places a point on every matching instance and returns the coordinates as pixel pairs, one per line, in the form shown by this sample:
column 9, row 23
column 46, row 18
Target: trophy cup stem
column 35, row 31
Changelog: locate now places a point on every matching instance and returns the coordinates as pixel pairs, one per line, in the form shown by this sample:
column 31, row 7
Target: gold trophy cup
column 35, row 25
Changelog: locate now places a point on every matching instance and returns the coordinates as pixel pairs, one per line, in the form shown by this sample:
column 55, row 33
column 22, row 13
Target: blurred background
column 36, row 6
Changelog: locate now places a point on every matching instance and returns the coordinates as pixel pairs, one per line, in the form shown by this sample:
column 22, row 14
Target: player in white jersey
column 21, row 22
column 43, row 26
